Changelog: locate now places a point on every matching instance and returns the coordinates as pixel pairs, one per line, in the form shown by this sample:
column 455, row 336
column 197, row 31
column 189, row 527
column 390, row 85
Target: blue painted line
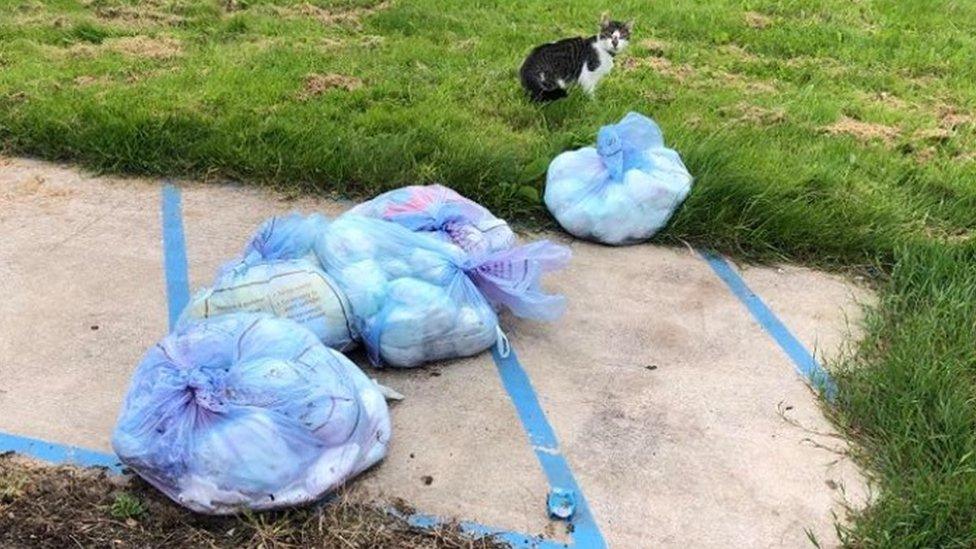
column 586, row 532
column 515, row 539
column 58, row 453
column 803, row 361
column 174, row 254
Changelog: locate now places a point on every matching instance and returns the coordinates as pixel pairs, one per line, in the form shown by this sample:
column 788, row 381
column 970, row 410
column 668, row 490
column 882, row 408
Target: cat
column 551, row 68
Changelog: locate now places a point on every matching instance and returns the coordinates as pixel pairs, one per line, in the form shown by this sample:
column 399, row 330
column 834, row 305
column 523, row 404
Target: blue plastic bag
column 622, row 191
column 247, row 411
column 418, row 299
column 278, row 274
column 441, row 212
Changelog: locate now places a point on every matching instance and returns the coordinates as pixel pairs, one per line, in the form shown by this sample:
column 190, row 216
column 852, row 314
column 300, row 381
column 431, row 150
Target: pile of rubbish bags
column 250, row 404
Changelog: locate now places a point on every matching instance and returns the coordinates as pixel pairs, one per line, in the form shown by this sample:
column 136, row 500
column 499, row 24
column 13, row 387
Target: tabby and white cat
column 551, row 68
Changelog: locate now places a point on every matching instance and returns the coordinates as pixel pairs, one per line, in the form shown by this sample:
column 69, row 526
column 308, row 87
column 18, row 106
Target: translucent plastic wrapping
column 418, row 299
column 246, row 411
column 622, row 191
column 278, row 274
column 441, row 212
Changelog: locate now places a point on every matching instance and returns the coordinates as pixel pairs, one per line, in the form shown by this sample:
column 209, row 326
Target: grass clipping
column 45, row 506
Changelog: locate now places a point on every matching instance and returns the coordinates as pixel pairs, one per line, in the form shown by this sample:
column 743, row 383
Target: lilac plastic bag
column 278, row 274
column 442, row 212
column 624, row 190
column 418, row 299
column 249, row 411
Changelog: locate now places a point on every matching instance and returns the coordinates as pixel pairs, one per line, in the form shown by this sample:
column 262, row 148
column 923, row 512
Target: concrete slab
column 80, row 262
column 827, row 320
column 683, row 421
column 675, row 408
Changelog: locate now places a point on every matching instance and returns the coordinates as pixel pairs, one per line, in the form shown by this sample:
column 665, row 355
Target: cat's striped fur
column 550, row 69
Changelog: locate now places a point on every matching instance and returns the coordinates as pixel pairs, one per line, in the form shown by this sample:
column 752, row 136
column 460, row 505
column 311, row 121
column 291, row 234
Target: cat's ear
column 629, row 25
column 604, row 19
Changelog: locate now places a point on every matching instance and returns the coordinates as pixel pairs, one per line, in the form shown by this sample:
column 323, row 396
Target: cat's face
column 614, row 35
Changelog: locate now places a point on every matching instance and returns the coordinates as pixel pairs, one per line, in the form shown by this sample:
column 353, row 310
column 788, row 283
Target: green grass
column 746, row 90
column 126, row 506
column 908, row 397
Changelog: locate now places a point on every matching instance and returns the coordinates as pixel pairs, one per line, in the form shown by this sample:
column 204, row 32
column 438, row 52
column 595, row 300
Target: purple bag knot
column 208, row 391
column 512, row 278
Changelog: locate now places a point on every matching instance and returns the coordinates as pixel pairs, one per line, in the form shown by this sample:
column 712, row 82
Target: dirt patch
column 334, row 15
column 925, row 154
column 85, row 80
column 80, row 50
column 145, row 14
column 467, row 44
column 31, row 188
column 863, row 131
column 373, row 40
column 660, row 65
column 655, row 47
column 703, row 78
column 42, row 19
column 13, row 98
column 736, row 80
column 738, row 52
column 936, row 135
column 951, row 236
column 45, row 506
column 753, row 114
column 136, row 76
column 966, row 157
column 317, row 84
column 756, row 20
column 828, row 65
column 709, row 78
column 951, row 118
column 886, row 99
column 923, row 82
column 759, row 86
column 162, row 47
column 330, row 43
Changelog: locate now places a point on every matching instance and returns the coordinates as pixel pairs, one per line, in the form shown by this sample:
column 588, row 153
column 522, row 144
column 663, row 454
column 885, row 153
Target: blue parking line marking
column 586, row 532
column 515, row 539
column 58, row 453
column 174, row 254
column 804, row 362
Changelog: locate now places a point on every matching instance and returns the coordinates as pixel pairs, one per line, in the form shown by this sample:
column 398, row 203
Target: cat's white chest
column 588, row 79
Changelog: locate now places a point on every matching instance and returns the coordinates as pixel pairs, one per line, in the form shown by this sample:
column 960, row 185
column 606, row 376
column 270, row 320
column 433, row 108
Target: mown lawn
column 835, row 133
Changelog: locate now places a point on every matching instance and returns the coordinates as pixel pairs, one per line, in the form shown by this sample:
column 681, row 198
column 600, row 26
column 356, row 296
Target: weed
column 126, row 506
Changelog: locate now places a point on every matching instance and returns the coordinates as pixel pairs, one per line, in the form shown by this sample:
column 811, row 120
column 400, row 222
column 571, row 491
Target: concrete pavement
column 682, row 420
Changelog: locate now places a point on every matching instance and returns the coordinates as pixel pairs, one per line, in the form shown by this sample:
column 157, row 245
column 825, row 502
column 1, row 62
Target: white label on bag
column 295, row 291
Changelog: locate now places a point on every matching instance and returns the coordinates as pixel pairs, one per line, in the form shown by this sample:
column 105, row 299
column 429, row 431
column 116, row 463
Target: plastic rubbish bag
column 622, row 191
column 442, row 212
column 418, row 299
column 278, row 274
column 248, row 411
